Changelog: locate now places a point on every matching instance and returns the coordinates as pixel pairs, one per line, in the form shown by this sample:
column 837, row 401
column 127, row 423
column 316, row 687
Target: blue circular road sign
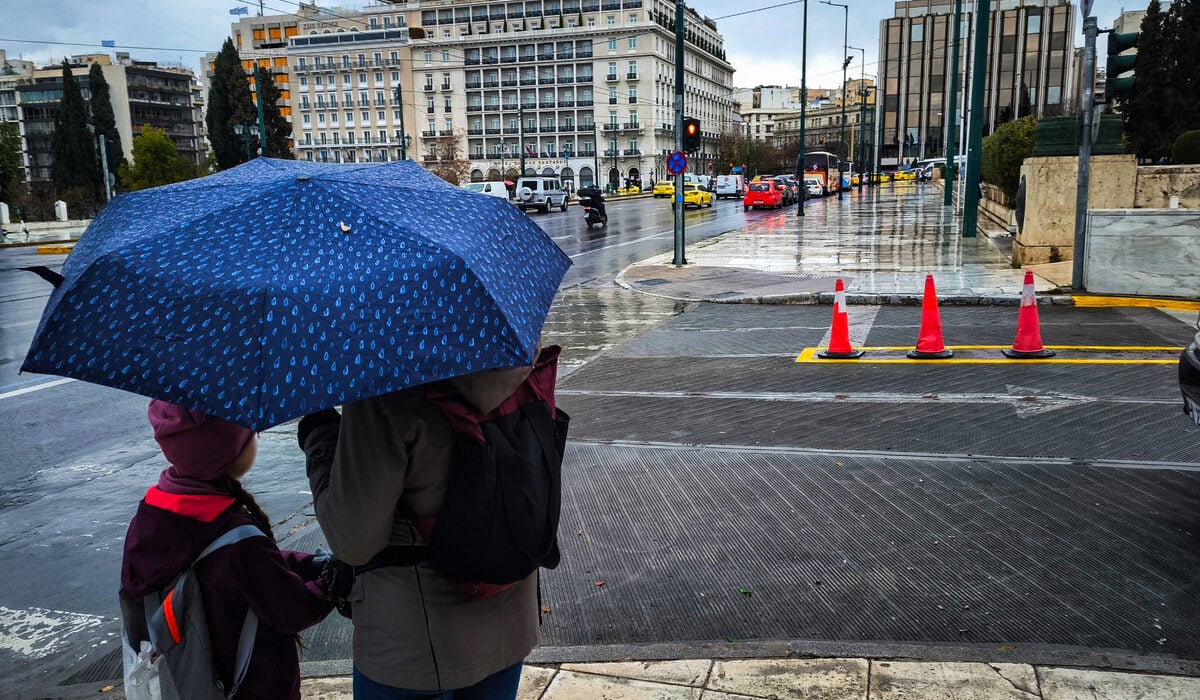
column 676, row 163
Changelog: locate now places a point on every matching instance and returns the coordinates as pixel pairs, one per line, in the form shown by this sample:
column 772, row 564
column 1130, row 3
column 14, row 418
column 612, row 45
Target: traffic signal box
column 691, row 134
column 1117, row 64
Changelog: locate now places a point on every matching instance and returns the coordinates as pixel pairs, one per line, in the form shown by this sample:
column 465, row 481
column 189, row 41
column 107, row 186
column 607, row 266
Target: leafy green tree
column 279, row 131
column 1003, row 152
column 10, row 164
column 156, row 162
column 229, row 103
column 1185, row 20
column 1148, row 113
column 103, row 120
column 74, row 166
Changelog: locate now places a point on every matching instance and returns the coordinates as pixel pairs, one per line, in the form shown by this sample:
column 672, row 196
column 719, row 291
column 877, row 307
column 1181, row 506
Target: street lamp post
column 247, row 136
column 862, row 100
column 845, row 64
column 803, row 115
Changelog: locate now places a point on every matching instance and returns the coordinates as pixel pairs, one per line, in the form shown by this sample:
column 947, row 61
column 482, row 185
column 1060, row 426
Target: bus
column 823, row 165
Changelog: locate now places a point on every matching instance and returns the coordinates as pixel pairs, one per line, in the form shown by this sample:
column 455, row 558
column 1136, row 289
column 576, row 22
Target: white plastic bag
column 141, row 673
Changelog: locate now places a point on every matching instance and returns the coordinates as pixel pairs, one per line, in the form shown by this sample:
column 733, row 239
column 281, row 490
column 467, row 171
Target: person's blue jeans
column 501, row 685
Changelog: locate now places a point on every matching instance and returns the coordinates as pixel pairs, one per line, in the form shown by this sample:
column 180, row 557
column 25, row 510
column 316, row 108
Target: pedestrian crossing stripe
column 810, row 355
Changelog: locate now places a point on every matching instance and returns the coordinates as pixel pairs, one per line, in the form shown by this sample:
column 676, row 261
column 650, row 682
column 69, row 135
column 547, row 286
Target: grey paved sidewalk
column 827, row 679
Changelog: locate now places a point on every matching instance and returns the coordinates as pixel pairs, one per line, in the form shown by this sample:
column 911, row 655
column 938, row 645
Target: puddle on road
column 588, row 321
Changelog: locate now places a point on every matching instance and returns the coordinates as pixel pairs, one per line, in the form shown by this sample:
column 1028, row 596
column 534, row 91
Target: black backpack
column 498, row 521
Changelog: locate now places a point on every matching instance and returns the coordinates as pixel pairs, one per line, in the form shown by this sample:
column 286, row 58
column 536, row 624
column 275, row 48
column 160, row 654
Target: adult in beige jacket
column 413, row 629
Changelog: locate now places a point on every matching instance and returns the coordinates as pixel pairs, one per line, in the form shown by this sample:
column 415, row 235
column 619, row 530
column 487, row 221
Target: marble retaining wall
column 1156, row 184
column 1143, row 252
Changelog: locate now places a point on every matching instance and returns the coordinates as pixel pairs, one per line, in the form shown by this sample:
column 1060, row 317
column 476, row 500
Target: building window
column 362, row 79
column 611, row 20
column 612, row 44
column 428, row 57
column 633, row 19
column 1033, row 24
column 445, row 56
column 303, row 81
column 632, row 43
column 918, row 32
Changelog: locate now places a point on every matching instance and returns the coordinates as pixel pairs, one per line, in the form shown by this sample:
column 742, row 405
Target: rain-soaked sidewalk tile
column 534, row 680
column 691, row 672
column 570, row 685
column 819, row 679
column 326, row 689
column 1079, row 684
column 893, row 680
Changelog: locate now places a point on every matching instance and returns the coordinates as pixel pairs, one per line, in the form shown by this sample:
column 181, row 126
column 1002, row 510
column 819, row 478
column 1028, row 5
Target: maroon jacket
column 168, row 533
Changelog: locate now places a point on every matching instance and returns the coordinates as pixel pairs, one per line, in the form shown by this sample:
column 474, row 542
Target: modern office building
column 14, row 72
column 1029, row 69
column 142, row 92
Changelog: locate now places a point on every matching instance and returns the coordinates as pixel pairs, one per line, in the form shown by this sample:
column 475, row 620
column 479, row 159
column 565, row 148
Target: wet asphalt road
column 1039, row 505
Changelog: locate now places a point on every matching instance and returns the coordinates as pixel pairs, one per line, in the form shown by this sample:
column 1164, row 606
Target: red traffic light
column 692, row 129
column 691, row 135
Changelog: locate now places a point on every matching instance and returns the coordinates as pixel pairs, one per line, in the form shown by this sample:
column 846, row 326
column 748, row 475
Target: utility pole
column 521, row 116
column 1085, row 142
column 983, row 16
column 680, row 260
column 952, row 136
column 595, row 154
column 803, row 115
column 262, row 125
column 403, row 134
column 861, row 92
column 845, row 65
column 104, row 166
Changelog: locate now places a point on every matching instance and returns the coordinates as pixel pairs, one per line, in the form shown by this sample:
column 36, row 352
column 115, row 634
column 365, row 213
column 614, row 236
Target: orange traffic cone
column 1028, row 344
column 839, row 336
column 929, row 343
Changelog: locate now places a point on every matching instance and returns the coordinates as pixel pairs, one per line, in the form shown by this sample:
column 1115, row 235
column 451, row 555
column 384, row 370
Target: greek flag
column 240, row 11
column 110, row 43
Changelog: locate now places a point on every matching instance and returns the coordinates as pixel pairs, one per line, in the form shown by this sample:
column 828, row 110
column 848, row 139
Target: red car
column 763, row 194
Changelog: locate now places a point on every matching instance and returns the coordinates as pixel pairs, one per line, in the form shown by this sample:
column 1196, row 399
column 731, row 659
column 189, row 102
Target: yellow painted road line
column 1098, row 302
column 810, row 355
column 54, row 249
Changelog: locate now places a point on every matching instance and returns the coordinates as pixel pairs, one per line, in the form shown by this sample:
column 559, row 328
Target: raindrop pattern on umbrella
column 279, row 287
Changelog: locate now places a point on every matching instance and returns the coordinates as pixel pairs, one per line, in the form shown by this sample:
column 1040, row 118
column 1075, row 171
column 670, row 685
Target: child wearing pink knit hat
column 198, row 498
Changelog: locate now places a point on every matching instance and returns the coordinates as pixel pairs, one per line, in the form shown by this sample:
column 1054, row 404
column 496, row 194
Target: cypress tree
column 103, row 120
column 279, row 131
column 1146, row 112
column 73, row 151
column 229, row 103
column 1185, row 21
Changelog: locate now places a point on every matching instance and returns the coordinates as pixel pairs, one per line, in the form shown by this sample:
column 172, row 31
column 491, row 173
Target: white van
column 731, row 186
column 493, row 188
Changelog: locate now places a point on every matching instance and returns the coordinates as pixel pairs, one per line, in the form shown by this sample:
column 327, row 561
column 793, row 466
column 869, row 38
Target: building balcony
column 474, row 108
column 428, row 134
column 566, row 79
column 490, row 60
column 610, row 5
column 476, row 131
column 612, row 77
column 586, row 154
column 491, row 83
column 299, row 68
column 631, row 76
column 633, row 152
column 472, row 61
column 591, row 7
column 568, row 127
column 494, row 107
column 446, row 132
column 612, row 100
column 474, row 86
column 493, row 131
column 547, row 105
column 566, row 103
column 528, row 58
column 610, row 153
column 508, row 83
column 610, row 127
column 546, row 81
column 515, row 14
column 631, row 126
column 508, row 59
column 428, row 87
column 561, row 55
column 583, row 103
column 512, row 130
column 583, row 53
column 529, row 81
column 445, row 86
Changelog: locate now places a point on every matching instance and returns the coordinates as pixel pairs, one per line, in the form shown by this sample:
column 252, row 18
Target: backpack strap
column 249, row 632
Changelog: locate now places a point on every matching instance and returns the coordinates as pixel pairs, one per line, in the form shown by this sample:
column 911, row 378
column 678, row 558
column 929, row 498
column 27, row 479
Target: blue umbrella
column 278, row 288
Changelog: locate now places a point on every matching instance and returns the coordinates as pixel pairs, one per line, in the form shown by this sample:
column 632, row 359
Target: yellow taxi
column 695, row 195
column 880, row 177
column 632, row 189
column 901, row 175
column 854, row 179
column 664, row 188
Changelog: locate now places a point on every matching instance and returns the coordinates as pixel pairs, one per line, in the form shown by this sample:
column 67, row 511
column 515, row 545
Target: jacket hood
column 160, row 544
column 488, row 389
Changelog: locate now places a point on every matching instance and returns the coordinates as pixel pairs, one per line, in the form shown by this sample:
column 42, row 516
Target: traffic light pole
column 1085, row 146
column 680, row 260
column 983, row 16
column 952, row 136
column 803, row 116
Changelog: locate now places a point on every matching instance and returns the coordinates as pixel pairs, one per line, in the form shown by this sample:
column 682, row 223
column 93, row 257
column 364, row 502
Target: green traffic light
column 1118, row 42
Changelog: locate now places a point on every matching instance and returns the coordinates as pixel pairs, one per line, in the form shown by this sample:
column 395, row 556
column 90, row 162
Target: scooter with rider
column 592, row 200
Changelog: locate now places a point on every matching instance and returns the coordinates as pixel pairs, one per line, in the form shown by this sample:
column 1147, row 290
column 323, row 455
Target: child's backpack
column 166, row 650
column 498, row 521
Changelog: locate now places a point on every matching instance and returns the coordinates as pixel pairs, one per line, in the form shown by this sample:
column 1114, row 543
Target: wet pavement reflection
column 884, row 240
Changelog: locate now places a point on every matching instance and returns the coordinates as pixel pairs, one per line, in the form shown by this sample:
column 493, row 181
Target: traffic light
column 691, row 134
column 1117, row 64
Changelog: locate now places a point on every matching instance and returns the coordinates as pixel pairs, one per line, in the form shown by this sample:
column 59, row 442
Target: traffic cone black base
column 919, row 355
column 1018, row 355
column 826, row 355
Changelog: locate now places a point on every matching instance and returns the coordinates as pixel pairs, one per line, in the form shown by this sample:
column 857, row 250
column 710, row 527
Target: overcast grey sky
column 764, row 46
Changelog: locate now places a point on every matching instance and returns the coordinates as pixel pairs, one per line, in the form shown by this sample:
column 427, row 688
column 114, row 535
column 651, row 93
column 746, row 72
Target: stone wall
column 1152, row 252
column 1156, row 184
column 1046, row 217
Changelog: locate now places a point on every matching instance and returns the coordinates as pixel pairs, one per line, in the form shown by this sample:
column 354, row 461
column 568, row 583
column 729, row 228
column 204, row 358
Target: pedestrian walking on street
column 198, row 499
column 384, row 475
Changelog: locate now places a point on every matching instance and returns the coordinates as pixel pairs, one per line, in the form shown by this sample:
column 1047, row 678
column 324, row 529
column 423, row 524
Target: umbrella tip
column 302, row 178
column 344, row 226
